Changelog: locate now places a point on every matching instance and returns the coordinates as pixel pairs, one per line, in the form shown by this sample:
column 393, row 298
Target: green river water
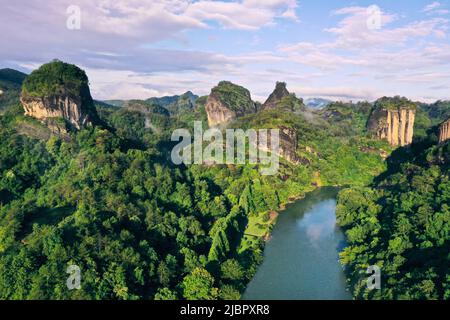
column 301, row 258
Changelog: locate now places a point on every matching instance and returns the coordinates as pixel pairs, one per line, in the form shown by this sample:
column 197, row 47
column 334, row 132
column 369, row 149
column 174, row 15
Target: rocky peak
column 281, row 98
column 276, row 96
column 392, row 119
column 444, row 131
column 226, row 102
column 59, row 90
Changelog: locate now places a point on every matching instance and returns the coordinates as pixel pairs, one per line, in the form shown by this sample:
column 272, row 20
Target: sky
column 339, row 50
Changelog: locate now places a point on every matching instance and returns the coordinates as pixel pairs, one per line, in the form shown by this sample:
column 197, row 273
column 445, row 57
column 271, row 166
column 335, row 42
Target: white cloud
column 352, row 31
column 342, row 93
column 435, row 8
column 432, row 6
column 386, row 49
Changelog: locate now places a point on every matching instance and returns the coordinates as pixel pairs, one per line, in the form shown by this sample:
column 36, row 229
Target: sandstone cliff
column 226, row 102
column 444, row 131
column 58, row 95
column 217, row 111
column 70, row 108
column 287, row 146
column 393, row 120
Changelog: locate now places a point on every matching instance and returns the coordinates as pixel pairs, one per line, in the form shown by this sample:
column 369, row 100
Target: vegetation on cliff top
column 235, row 97
column 394, row 103
column 56, row 78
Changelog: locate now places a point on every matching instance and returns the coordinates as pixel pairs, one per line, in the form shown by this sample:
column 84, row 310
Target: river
column 301, row 258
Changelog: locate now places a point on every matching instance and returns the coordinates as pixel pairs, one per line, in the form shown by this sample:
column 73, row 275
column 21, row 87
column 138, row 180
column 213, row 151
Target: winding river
column 301, row 259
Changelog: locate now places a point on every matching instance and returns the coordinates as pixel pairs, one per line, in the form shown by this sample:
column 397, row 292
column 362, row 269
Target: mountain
column 60, row 91
column 176, row 104
column 437, row 112
column 393, row 119
column 146, row 107
column 115, row 103
column 228, row 101
column 317, row 103
column 281, row 98
column 10, row 84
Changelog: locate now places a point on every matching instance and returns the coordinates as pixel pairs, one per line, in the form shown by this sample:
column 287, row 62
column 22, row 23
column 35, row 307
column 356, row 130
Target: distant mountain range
column 10, row 84
column 317, row 103
column 174, row 104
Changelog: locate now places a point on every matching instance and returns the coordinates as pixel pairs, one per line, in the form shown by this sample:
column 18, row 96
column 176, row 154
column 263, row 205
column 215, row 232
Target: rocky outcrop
column 227, row 102
column 276, row 96
column 280, row 98
column 394, row 124
column 58, row 95
column 218, row 113
column 287, row 145
column 444, row 131
column 70, row 108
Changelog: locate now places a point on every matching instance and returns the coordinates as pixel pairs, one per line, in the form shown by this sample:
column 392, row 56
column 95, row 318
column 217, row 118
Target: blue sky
column 343, row 50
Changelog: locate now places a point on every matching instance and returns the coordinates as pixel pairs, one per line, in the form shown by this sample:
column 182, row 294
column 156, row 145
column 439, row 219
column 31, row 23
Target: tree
column 198, row 285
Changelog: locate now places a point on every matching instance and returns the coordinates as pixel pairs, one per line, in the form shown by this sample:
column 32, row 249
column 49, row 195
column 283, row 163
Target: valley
column 91, row 183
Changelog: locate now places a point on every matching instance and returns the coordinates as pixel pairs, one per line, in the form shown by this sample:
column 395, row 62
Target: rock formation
column 217, row 111
column 58, row 95
column 393, row 120
column 444, row 131
column 287, row 145
column 227, row 102
column 276, row 96
column 281, row 98
column 70, row 108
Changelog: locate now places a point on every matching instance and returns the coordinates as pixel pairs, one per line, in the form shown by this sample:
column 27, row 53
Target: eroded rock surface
column 70, row 108
column 394, row 124
column 444, row 131
column 227, row 102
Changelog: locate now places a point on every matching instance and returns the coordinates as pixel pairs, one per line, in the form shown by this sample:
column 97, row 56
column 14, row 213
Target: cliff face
column 218, row 113
column 287, row 147
column 70, row 108
column 226, row 102
column 393, row 123
column 444, row 131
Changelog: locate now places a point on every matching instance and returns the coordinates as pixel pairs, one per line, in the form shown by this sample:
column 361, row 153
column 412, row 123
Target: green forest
column 108, row 199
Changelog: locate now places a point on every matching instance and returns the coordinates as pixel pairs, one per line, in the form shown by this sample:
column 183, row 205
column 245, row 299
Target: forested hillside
column 10, row 85
column 108, row 199
column 401, row 223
